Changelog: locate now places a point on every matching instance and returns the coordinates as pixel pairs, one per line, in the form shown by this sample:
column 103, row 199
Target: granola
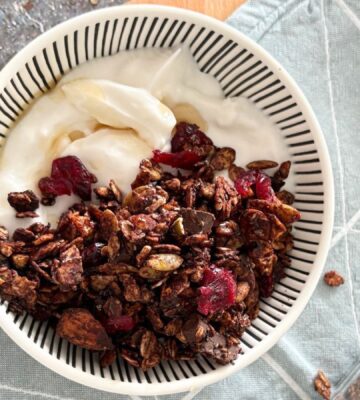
column 332, row 278
column 322, row 385
column 173, row 269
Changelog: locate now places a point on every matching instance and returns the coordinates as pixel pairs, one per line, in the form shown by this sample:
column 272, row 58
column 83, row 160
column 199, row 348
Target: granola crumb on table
column 322, row 385
column 332, row 278
column 173, row 269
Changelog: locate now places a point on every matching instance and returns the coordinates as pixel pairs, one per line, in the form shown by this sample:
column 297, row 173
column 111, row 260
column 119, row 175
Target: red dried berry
column 263, row 188
column 68, row 175
column 183, row 159
column 218, row 291
column 51, row 188
column 244, row 182
column 122, row 323
column 261, row 183
column 188, row 136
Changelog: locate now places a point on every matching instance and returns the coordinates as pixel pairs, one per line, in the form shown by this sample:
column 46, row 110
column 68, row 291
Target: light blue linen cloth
column 318, row 42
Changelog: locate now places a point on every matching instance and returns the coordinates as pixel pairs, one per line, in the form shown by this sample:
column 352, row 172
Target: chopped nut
column 80, row 328
column 23, row 201
column 207, row 190
column 226, row 197
column 322, row 385
column 332, row 278
column 20, row 260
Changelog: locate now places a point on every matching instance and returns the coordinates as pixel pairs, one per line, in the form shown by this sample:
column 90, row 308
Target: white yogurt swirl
column 112, row 112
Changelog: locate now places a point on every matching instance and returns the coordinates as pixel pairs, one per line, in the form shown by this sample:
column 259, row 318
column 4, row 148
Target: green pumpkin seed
column 164, row 262
column 178, row 227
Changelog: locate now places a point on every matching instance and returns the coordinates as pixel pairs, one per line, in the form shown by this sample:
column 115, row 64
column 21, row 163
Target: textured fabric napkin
column 318, row 42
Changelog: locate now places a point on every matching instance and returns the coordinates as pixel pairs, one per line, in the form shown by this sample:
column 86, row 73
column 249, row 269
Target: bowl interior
column 242, row 69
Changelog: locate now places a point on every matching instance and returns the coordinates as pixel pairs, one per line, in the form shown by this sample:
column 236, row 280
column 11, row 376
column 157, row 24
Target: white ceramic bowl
column 243, row 68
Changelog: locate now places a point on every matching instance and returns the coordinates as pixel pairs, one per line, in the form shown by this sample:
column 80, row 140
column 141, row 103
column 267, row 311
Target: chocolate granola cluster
column 173, row 269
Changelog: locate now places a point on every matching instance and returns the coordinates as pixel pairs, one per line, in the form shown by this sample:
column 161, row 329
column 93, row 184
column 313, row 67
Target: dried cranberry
column 183, row 159
column 68, row 175
column 263, row 188
column 260, row 180
column 188, row 135
column 122, row 323
column 244, row 182
column 217, row 292
column 92, row 256
column 51, row 188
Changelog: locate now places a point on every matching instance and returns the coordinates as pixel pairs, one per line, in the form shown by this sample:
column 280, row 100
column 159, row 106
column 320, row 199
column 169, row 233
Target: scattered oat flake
column 94, row 2
column 332, row 278
column 322, row 385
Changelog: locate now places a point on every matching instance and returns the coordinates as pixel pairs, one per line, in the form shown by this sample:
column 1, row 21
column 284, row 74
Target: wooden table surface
column 220, row 9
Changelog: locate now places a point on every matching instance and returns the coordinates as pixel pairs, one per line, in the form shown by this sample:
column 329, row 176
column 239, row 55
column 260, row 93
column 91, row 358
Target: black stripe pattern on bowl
column 239, row 73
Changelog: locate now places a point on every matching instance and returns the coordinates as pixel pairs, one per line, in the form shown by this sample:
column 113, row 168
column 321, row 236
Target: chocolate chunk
column 195, row 221
column 195, row 329
column 216, row 347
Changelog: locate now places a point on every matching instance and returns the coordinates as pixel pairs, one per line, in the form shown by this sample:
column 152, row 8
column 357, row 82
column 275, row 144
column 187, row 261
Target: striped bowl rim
column 194, row 382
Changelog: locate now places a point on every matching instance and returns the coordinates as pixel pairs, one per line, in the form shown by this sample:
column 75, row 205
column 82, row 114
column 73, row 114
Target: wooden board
column 220, row 9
